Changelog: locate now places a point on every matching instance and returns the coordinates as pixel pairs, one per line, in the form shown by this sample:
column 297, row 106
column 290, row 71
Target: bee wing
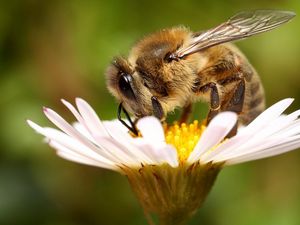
column 241, row 25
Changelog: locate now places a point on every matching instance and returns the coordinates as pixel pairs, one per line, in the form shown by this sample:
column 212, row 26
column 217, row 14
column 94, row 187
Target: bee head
column 150, row 81
column 130, row 90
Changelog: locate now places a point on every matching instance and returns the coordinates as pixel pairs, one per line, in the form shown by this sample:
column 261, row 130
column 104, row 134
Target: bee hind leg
column 235, row 103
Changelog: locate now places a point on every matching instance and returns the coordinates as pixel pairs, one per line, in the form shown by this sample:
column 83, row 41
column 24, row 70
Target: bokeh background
column 59, row 49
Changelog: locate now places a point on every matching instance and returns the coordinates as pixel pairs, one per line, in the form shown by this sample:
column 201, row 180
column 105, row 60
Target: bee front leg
column 214, row 102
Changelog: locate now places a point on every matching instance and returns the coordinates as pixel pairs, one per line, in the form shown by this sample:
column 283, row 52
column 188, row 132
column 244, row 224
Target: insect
column 176, row 67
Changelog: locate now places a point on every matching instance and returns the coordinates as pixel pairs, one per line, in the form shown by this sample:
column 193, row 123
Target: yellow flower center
column 183, row 137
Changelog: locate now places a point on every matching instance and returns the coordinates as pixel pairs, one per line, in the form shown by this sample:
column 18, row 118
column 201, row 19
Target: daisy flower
column 171, row 168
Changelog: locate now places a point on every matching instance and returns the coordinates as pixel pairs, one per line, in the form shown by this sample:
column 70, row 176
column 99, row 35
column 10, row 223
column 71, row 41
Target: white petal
column 81, row 129
column 98, row 131
column 216, row 131
column 107, row 144
column 127, row 143
column 72, row 144
column 111, row 129
column 166, row 154
column 266, row 153
column 170, row 155
column 268, row 115
column 291, row 130
column 263, row 139
column 91, row 119
column 151, row 130
column 141, row 148
column 158, row 155
column 66, row 127
column 231, row 153
column 227, row 146
column 85, row 126
column 258, row 148
column 72, row 132
column 73, row 156
column 244, row 143
column 117, row 125
column 277, row 125
column 75, row 113
column 147, row 149
column 119, row 151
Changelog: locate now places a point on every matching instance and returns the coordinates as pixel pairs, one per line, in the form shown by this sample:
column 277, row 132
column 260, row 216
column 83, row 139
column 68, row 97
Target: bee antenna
column 130, row 127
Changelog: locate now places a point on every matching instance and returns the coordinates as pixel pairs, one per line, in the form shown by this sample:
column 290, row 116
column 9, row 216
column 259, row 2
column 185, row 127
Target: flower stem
column 172, row 221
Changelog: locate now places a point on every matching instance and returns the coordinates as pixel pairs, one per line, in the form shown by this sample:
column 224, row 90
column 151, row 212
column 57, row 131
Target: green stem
column 171, row 220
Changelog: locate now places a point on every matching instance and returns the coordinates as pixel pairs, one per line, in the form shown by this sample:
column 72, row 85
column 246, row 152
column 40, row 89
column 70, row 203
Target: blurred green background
column 59, row 49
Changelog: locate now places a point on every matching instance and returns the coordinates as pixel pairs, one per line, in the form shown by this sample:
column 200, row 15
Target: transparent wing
column 241, row 25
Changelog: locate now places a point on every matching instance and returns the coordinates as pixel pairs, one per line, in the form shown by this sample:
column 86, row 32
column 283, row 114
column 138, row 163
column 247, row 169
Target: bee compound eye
column 125, row 86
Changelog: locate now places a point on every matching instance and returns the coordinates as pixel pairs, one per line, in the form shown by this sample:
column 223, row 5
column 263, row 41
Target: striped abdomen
column 254, row 102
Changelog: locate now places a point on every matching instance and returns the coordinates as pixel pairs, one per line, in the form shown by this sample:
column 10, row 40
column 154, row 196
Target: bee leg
column 158, row 111
column 214, row 103
column 214, row 100
column 235, row 104
column 187, row 110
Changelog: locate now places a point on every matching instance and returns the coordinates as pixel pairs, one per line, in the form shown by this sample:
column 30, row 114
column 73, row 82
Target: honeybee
column 176, row 67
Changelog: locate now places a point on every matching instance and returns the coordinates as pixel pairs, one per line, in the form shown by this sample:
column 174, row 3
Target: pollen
column 183, row 137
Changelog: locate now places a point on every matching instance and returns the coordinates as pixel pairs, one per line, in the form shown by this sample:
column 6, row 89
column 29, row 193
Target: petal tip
column 45, row 109
column 29, row 122
column 64, row 101
column 33, row 125
column 79, row 100
column 289, row 100
column 224, row 118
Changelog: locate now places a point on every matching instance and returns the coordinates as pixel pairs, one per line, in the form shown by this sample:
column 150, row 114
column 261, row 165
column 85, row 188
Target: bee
column 176, row 67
